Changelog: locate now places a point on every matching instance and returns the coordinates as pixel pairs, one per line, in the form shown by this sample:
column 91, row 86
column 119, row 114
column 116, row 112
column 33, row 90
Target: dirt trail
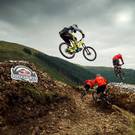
column 94, row 120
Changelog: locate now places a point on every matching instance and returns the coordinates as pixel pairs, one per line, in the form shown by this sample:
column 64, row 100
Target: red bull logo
column 23, row 73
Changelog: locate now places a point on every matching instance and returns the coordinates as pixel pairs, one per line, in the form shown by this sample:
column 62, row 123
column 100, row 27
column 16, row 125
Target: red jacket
column 117, row 57
column 100, row 80
column 90, row 83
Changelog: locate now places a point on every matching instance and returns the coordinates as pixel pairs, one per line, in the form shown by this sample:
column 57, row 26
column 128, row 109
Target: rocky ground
column 52, row 108
column 124, row 95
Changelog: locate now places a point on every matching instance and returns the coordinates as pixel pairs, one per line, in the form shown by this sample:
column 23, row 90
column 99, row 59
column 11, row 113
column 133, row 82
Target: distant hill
column 56, row 67
column 109, row 74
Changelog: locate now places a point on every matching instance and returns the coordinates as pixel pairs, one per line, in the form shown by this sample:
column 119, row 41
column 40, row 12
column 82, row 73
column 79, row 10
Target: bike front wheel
column 89, row 53
column 63, row 48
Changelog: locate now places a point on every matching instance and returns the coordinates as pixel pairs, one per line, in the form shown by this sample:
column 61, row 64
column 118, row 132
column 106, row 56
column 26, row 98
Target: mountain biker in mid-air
column 67, row 34
column 88, row 86
column 101, row 82
column 116, row 60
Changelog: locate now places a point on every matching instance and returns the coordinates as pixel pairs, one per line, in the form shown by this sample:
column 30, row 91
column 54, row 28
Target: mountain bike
column 119, row 72
column 104, row 100
column 69, row 51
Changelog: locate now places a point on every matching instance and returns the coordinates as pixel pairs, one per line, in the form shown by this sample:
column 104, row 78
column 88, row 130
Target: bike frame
column 80, row 44
column 118, row 72
column 106, row 93
column 117, row 68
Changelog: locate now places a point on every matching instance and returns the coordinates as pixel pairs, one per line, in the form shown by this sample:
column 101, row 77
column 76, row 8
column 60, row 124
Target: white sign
column 23, row 73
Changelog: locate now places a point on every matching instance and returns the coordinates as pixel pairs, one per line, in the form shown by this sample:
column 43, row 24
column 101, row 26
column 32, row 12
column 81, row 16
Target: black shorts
column 116, row 62
column 67, row 37
column 101, row 89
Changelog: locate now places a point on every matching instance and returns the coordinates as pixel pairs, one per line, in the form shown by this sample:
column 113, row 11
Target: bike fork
column 88, row 52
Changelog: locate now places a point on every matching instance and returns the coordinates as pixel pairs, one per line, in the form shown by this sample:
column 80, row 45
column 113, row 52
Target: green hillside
column 56, row 67
column 109, row 74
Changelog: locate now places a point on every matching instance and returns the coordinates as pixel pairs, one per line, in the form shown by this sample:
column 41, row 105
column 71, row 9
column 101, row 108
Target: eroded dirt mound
column 24, row 105
column 124, row 95
column 52, row 108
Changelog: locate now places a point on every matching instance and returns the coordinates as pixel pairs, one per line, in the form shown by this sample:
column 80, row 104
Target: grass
column 39, row 96
column 130, row 116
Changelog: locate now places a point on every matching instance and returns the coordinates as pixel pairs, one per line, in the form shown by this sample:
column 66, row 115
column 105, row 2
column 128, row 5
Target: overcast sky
column 109, row 26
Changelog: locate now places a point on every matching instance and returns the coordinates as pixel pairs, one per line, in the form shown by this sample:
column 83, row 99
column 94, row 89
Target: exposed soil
column 124, row 96
column 52, row 108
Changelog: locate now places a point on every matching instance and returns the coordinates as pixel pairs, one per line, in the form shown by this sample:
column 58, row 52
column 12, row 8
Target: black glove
column 83, row 35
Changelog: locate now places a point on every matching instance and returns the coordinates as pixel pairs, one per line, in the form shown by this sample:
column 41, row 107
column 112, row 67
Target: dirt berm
column 52, row 108
column 124, row 96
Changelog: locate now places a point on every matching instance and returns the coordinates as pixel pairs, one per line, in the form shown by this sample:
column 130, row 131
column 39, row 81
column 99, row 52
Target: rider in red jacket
column 88, row 84
column 101, row 82
column 116, row 60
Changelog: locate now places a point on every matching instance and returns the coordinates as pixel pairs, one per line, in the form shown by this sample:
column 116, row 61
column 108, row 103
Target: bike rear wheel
column 106, row 101
column 63, row 50
column 89, row 53
column 103, row 102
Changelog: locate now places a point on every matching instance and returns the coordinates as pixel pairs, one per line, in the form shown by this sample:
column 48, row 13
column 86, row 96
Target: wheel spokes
column 89, row 53
column 64, row 50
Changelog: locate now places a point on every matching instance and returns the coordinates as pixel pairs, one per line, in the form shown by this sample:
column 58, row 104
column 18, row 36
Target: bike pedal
column 78, row 49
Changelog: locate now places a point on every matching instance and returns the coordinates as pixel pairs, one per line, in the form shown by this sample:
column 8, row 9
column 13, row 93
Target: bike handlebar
column 81, row 39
